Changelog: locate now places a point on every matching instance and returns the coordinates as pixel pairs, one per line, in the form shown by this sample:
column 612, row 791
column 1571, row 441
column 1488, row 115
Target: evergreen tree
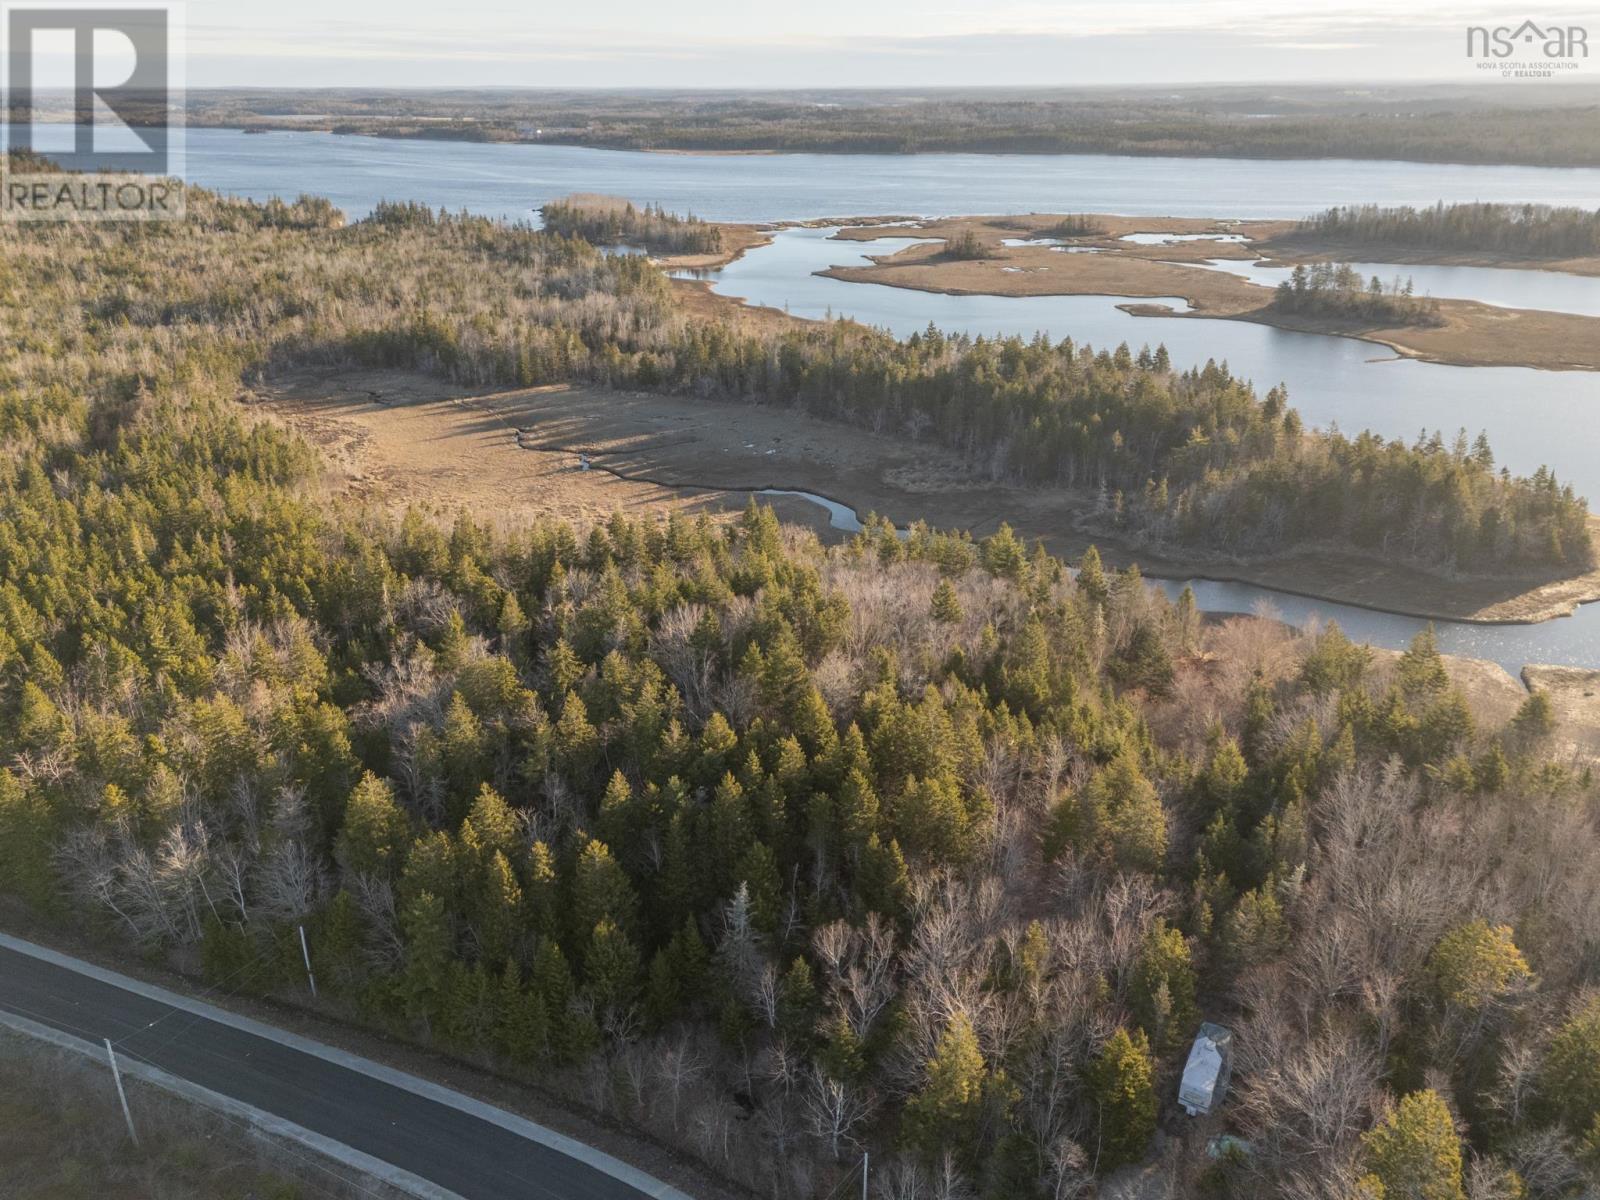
column 1414, row 1153
column 883, row 883
column 1476, row 963
column 1127, row 822
column 1421, row 673
column 1570, row 1082
column 798, row 1005
column 1120, row 1082
column 491, row 826
column 429, row 945
column 1162, row 990
column 611, row 974
column 577, row 744
column 601, row 892
column 946, row 1113
column 522, row 1029
column 376, row 833
column 25, row 841
column 497, row 908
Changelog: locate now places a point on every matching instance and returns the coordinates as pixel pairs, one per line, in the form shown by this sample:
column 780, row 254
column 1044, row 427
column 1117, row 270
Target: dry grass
column 1472, row 334
column 404, row 439
column 62, row 1138
column 1575, row 696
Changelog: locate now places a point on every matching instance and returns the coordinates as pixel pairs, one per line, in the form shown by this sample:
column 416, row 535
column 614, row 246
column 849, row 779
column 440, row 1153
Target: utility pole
column 306, row 954
column 121, row 1095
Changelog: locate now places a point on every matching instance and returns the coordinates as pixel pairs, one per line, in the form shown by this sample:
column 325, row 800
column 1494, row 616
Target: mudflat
column 579, row 453
column 1100, row 263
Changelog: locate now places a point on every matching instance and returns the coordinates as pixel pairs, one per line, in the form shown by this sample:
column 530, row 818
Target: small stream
column 1332, row 381
column 1567, row 641
column 1532, row 417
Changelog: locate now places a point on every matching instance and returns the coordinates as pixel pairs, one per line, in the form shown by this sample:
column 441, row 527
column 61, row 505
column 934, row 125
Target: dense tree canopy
column 773, row 850
column 609, row 222
column 1533, row 230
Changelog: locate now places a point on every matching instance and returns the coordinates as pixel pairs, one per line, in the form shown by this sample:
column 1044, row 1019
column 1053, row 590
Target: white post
column 121, row 1095
column 306, row 954
column 866, row 1156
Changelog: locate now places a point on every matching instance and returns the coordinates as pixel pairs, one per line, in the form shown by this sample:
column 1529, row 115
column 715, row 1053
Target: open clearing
column 401, row 439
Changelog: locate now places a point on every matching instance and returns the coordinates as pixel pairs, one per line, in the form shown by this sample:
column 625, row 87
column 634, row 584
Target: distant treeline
column 1337, row 289
column 1283, row 123
column 602, row 221
column 1536, row 230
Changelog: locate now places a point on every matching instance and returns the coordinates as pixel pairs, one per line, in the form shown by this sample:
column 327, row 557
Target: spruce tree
column 946, row 608
column 946, row 1113
column 376, row 833
column 1120, row 1082
column 1414, row 1153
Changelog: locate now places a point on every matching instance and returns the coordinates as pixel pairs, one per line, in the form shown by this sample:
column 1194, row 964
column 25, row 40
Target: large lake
column 514, row 180
column 1532, row 417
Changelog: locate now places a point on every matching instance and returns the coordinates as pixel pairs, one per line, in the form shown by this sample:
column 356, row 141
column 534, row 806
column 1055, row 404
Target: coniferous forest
column 774, row 851
column 1461, row 124
column 1534, row 230
column 606, row 221
column 1337, row 290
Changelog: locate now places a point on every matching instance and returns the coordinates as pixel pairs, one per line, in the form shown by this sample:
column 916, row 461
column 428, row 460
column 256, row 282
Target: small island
column 1188, row 256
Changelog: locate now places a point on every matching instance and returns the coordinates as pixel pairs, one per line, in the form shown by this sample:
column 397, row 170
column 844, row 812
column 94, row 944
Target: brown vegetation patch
column 1470, row 333
column 1575, row 698
column 400, row 439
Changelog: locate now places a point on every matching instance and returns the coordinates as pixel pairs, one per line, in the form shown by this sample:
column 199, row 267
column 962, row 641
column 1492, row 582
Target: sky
column 844, row 43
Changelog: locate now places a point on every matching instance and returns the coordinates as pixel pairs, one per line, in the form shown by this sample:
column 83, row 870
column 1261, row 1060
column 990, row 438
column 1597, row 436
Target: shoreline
column 329, row 126
column 1536, row 602
column 1471, row 333
column 1120, row 553
column 660, row 451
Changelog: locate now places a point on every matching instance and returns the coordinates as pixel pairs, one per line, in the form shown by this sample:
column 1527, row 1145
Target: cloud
column 887, row 42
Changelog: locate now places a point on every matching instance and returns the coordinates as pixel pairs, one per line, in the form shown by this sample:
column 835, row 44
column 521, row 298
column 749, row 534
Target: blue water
column 1568, row 641
column 513, row 181
column 1331, row 380
column 1502, row 287
column 1532, row 417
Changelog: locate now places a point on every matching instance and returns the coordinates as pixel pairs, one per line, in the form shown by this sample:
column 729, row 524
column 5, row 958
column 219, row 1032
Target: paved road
column 459, row 1148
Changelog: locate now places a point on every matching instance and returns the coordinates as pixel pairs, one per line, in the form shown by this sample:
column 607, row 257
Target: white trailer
column 1205, row 1075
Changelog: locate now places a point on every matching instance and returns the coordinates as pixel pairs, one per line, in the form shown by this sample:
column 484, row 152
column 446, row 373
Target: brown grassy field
column 401, row 439
column 62, row 1138
column 1575, row 696
column 1472, row 334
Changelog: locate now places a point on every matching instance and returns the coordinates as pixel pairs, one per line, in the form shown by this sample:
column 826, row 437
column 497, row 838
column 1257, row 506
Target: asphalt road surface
column 458, row 1150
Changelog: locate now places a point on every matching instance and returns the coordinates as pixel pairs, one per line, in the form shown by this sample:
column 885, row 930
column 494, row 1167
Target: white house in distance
column 1205, row 1075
